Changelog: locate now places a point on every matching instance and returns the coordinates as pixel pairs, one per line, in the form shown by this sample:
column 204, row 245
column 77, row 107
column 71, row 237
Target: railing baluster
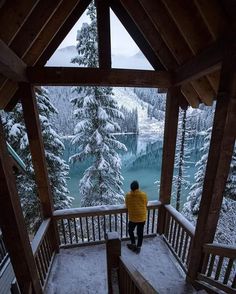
column 47, row 257
column 148, row 221
column 171, row 228
column 75, row 229
column 99, row 231
column 93, row 229
column 174, row 234
column 116, row 222
column 205, row 263
column 63, row 230
column 104, row 226
column 212, row 260
column 43, row 267
column 110, row 222
column 219, row 267
column 126, row 225
column 181, row 242
column 87, row 229
column 153, row 219
column 81, row 229
column 39, row 268
column 177, row 238
column 121, row 226
column 70, row 234
column 185, row 248
column 228, row 270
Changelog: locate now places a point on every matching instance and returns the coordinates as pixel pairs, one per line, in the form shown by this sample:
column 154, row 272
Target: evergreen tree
column 181, row 180
column 96, row 112
column 57, row 169
column 226, row 229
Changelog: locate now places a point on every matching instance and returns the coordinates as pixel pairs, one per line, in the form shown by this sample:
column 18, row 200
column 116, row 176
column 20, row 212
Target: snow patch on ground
column 151, row 128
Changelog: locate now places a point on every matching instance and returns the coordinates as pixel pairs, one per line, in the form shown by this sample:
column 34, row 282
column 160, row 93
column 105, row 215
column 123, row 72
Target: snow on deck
column 83, row 269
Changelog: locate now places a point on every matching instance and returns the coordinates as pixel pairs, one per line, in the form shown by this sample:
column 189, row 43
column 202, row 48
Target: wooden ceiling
column 186, row 38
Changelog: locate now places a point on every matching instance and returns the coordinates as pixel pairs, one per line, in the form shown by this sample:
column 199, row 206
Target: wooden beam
column 32, row 27
column 13, row 226
column 213, row 16
column 136, row 34
column 60, row 35
column 192, row 27
column 98, row 77
column 17, row 13
column 31, row 117
column 155, row 40
column 207, row 61
column 51, row 30
column 11, row 66
column 218, row 164
column 104, row 38
column 168, row 156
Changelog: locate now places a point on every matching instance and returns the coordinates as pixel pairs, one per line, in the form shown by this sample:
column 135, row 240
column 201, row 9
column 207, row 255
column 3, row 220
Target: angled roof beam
column 98, row 77
column 204, row 63
column 104, row 38
column 56, row 40
column 11, row 66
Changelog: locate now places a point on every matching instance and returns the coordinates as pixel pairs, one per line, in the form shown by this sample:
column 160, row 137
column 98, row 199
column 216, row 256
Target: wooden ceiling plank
column 32, row 27
column 135, row 33
column 167, row 29
column 98, row 77
column 213, row 16
column 11, row 66
column 175, row 42
column 191, row 25
column 150, row 33
column 215, row 78
column 53, row 26
column 205, row 62
column 69, row 22
column 104, row 36
column 13, row 14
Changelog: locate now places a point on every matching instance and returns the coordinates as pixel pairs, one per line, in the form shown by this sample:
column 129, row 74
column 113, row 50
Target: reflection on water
column 141, row 162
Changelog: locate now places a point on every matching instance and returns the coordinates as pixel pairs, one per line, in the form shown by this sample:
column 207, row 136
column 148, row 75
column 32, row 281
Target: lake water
column 141, row 162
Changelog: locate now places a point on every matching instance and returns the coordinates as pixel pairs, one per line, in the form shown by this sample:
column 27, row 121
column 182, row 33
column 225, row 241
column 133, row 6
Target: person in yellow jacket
column 136, row 203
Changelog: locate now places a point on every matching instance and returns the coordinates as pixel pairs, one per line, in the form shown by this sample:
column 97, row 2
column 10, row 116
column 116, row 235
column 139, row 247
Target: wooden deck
column 83, row 269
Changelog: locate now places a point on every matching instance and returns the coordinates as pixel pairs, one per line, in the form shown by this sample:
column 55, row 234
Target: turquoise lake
column 141, row 162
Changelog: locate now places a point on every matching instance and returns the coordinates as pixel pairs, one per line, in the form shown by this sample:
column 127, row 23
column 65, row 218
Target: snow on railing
column 90, row 224
column 178, row 234
column 219, row 267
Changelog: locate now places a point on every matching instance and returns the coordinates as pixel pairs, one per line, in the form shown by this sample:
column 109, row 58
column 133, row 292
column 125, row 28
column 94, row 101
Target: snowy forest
column 91, row 118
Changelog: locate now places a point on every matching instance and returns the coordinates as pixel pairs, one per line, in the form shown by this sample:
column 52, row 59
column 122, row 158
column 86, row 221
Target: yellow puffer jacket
column 136, row 203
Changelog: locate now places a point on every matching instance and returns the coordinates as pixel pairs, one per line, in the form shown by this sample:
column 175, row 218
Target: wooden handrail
column 221, row 250
column 97, row 210
column 143, row 286
column 38, row 238
column 181, row 220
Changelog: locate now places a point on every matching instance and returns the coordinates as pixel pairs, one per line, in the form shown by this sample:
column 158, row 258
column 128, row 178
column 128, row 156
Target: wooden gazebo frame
column 191, row 46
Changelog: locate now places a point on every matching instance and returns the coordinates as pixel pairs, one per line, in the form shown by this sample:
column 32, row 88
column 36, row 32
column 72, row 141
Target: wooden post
column 13, row 227
column 113, row 250
column 168, row 157
column 33, row 128
column 218, row 164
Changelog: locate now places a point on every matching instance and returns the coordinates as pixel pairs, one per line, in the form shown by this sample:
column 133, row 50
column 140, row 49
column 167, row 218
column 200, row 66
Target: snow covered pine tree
column 226, row 229
column 57, row 169
column 95, row 115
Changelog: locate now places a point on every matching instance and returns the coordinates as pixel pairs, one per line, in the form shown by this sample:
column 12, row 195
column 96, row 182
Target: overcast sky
column 121, row 42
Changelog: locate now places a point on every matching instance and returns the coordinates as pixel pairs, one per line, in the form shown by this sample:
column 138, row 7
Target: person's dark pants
column 140, row 227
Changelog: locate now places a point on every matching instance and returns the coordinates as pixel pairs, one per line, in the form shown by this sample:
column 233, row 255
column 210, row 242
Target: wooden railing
column 131, row 281
column 178, row 235
column 219, row 267
column 90, row 224
column 3, row 252
column 43, row 251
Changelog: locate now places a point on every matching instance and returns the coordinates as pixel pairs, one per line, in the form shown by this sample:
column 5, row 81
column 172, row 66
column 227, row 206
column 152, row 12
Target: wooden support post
column 104, row 38
column 113, row 250
column 13, row 227
column 31, row 116
column 168, row 157
column 218, row 164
